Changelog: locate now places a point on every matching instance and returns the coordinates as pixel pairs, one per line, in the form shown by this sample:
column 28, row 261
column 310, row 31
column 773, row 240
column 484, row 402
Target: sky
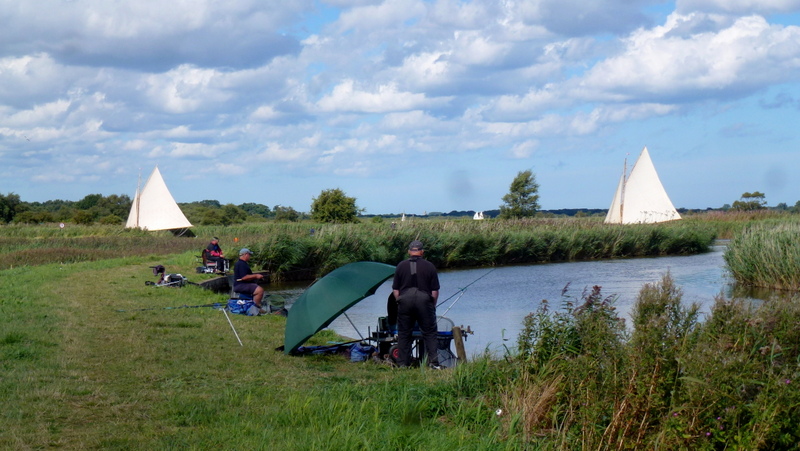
column 408, row 106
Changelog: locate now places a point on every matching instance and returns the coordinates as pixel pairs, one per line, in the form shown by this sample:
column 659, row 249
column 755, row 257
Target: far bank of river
column 497, row 299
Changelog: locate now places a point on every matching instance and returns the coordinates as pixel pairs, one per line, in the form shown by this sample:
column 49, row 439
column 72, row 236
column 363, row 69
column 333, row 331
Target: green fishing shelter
column 329, row 297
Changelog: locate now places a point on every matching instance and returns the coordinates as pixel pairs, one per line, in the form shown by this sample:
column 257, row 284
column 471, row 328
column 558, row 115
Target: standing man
column 245, row 280
column 416, row 288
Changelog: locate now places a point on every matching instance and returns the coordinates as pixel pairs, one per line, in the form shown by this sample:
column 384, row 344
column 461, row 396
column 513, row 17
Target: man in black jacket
column 416, row 288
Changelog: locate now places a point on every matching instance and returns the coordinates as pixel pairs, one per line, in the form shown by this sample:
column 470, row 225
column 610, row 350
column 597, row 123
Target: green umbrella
column 329, row 297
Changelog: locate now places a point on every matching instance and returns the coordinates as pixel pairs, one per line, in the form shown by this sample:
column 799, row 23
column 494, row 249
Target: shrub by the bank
column 674, row 383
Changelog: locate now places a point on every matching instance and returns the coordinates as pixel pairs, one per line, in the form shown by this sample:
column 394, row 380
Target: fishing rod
column 215, row 305
column 461, row 291
column 225, row 311
column 454, row 303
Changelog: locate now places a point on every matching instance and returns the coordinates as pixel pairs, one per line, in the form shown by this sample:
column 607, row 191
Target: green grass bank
column 79, row 373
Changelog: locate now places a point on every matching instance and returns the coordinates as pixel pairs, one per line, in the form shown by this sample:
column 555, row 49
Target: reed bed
column 728, row 224
column 766, row 255
column 316, row 249
column 454, row 244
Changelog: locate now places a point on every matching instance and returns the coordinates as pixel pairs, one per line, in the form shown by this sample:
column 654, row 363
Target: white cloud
column 408, row 120
column 275, row 152
column 745, row 56
column 151, row 35
column 386, row 98
column 738, row 6
column 194, row 150
column 185, row 89
column 386, row 14
column 524, row 149
column 474, row 48
column 229, row 169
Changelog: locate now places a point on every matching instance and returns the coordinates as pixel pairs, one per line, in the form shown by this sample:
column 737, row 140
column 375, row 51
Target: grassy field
column 84, row 368
column 80, row 374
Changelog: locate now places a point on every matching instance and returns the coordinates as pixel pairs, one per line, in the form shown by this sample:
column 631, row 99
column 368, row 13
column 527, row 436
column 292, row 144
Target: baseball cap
column 244, row 251
column 415, row 245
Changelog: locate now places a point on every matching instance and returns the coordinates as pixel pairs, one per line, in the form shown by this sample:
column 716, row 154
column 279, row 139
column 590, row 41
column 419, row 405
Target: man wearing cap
column 416, row 288
column 214, row 254
column 245, row 280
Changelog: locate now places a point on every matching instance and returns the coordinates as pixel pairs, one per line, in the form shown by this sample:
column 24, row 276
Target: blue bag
column 242, row 307
column 360, row 352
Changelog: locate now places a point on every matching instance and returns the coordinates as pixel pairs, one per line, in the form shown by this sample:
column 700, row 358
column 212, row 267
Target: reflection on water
column 497, row 299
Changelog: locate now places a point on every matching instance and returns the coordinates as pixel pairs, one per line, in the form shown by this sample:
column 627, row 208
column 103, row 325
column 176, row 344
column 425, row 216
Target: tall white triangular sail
column 640, row 198
column 154, row 208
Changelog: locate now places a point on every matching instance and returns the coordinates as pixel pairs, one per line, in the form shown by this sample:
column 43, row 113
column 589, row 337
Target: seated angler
column 245, row 281
column 213, row 253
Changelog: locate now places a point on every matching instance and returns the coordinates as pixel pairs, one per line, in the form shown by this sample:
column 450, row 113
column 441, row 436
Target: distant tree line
column 332, row 206
column 114, row 209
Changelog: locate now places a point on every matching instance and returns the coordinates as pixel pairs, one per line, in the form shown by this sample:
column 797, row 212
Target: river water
column 495, row 300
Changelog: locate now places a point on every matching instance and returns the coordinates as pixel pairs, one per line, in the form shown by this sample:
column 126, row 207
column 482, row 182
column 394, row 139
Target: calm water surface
column 496, row 300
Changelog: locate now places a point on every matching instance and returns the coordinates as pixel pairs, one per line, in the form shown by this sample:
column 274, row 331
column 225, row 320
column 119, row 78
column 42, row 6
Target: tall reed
column 453, row 244
column 766, row 255
column 672, row 383
column 317, row 249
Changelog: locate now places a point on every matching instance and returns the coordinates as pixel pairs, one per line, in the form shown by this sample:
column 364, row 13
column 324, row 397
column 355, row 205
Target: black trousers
column 416, row 306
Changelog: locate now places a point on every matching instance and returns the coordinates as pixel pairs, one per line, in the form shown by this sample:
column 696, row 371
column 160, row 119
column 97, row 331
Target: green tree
column 212, row 216
column 116, row 205
column 34, row 217
column 83, row 217
column 233, row 214
column 256, row 209
column 285, row 213
column 9, row 206
column 110, row 220
column 333, row 205
column 750, row 201
column 88, row 202
column 522, row 200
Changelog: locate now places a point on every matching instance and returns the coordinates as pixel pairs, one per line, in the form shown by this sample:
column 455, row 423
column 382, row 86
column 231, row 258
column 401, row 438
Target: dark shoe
column 436, row 367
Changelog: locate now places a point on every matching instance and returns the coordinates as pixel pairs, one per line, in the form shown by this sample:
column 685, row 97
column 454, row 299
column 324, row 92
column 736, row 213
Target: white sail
column 641, row 197
column 154, row 208
column 478, row 215
column 614, row 215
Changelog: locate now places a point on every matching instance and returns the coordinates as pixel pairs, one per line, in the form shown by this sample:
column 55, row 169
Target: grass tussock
column 766, row 255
